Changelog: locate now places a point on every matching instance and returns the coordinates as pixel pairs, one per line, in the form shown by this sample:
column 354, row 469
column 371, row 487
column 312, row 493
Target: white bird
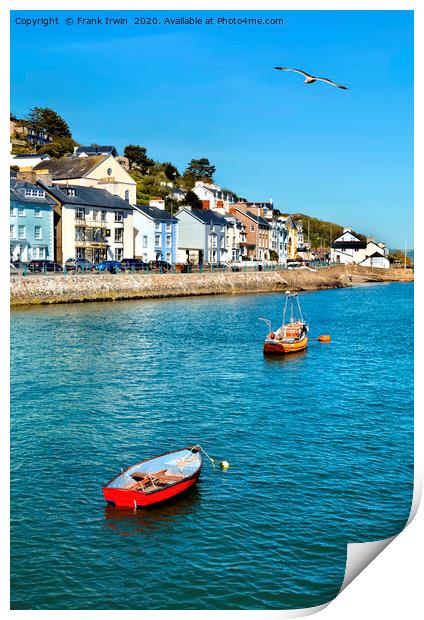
column 312, row 78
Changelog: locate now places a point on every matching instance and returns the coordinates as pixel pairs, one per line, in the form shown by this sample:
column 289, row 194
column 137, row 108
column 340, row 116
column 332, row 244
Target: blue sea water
column 320, row 447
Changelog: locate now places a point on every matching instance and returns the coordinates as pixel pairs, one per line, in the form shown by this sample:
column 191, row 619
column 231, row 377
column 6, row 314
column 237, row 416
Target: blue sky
column 211, row 91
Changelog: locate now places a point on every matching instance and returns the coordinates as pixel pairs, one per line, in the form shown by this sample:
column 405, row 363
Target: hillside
column 321, row 233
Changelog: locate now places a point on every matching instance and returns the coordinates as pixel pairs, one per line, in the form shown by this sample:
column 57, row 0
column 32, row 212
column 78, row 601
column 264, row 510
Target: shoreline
column 59, row 289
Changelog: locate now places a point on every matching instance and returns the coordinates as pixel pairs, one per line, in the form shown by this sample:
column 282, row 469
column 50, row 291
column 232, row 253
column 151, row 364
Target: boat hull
column 123, row 498
column 123, row 492
column 276, row 347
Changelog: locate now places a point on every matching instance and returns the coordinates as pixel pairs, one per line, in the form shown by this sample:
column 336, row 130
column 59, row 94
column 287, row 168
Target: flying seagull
column 312, row 78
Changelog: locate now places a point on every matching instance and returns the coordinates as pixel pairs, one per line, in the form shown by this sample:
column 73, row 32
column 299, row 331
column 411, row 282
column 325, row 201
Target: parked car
column 187, row 268
column 112, row 266
column 133, row 264
column 159, row 265
column 42, row 265
column 79, row 264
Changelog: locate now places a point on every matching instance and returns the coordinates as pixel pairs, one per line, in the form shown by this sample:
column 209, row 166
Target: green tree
column 273, row 255
column 192, row 200
column 171, row 172
column 137, row 156
column 200, row 170
column 46, row 119
column 59, row 147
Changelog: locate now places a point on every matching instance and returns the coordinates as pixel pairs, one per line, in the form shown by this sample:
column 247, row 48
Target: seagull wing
column 322, row 79
column 295, row 71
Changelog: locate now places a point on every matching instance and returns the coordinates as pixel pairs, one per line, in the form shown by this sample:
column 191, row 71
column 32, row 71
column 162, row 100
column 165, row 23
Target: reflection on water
column 127, row 521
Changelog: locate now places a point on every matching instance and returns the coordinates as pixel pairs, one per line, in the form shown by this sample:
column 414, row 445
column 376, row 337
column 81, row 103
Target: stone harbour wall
column 58, row 288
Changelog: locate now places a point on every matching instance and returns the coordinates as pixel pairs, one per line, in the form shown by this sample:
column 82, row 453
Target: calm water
column 320, row 446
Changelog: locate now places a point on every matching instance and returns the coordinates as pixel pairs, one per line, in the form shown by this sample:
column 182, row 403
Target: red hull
column 136, row 499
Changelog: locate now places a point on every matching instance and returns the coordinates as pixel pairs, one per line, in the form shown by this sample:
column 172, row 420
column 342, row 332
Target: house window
column 157, row 241
column 21, row 232
column 12, row 211
column 157, row 225
column 119, row 235
column 71, row 191
column 168, row 241
column 79, row 252
column 103, row 215
column 144, row 241
column 28, row 192
column 127, row 195
column 12, row 232
column 95, row 216
column 79, row 213
column 119, row 216
column 252, row 228
column 118, row 253
column 168, row 228
column 38, row 232
column 37, row 212
column 21, row 210
column 168, row 257
column 79, row 233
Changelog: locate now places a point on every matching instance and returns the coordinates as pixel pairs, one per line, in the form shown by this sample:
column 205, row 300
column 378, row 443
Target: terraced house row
column 84, row 206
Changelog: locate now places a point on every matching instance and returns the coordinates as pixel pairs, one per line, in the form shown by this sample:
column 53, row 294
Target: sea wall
column 58, row 288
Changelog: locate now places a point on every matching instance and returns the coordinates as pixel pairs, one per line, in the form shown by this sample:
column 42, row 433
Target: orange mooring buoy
column 324, row 338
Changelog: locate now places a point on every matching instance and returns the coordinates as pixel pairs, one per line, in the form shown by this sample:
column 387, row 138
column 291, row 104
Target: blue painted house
column 31, row 222
column 155, row 232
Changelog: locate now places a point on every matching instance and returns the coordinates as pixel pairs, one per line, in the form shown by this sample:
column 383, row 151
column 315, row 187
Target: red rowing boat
column 155, row 480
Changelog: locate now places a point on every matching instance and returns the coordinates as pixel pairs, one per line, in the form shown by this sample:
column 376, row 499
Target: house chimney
column 32, row 176
column 159, row 203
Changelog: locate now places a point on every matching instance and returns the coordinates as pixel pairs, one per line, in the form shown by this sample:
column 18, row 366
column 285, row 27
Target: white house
column 213, row 197
column 202, row 236
column 236, row 238
column 349, row 249
column 99, row 171
column 155, row 233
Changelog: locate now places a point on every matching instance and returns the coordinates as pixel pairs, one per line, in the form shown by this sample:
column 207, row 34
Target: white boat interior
column 174, row 466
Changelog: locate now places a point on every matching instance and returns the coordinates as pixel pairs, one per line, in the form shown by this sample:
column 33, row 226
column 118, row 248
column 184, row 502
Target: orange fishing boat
column 292, row 336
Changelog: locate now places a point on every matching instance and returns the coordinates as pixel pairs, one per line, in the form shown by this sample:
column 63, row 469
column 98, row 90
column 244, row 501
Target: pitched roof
column 17, row 192
column 93, row 149
column 32, row 155
column 71, row 167
column 209, row 217
column 155, row 214
column 257, row 218
column 87, row 197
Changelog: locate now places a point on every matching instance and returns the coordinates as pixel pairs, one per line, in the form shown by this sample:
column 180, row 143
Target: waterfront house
column 293, row 236
column 202, row 236
column 98, row 171
column 213, row 197
column 257, row 230
column 278, row 235
column 347, row 248
column 31, row 222
column 236, row 238
column 90, row 223
column 155, row 232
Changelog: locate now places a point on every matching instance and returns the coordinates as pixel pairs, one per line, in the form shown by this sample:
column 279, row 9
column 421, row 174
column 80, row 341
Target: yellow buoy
column 225, row 464
column 324, row 338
